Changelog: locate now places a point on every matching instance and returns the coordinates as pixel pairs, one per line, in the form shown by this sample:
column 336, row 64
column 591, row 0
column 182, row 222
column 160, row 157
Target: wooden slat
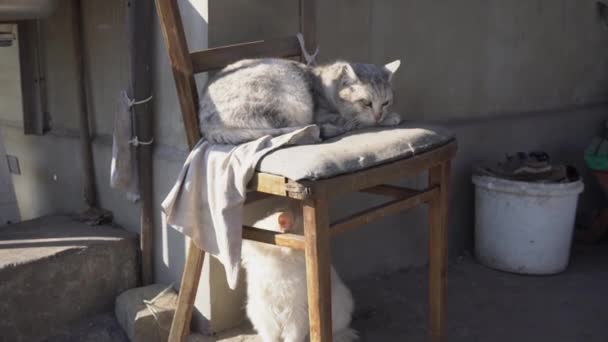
column 379, row 211
column 274, row 238
column 390, row 191
column 180, row 327
column 386, row 173
column 270, row 184
column 181, row 64
column 219, row 57
column 318, row 281
column 267, row 183
column 438, row 252
column 179, row 57
column 139, row 23
column 254, row 196
column 81, row 65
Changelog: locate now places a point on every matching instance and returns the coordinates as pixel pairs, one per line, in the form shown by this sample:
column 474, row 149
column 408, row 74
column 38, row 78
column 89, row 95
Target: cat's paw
column 329, row 131
column 391, row 119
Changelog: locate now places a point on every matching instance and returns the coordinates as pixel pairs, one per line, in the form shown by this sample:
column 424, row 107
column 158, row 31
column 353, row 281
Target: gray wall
column 505, row 76
column 9, row 89
column 461, row 59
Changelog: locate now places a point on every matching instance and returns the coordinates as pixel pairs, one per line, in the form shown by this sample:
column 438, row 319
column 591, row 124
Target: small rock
column 146, row 322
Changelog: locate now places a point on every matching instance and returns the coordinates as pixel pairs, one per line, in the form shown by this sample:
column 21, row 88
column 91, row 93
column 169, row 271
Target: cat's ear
column 285, row 221
column 347, row 74
column 392, row 68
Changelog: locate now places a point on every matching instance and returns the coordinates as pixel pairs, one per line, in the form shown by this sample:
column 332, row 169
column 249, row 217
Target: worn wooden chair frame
column 314, row 195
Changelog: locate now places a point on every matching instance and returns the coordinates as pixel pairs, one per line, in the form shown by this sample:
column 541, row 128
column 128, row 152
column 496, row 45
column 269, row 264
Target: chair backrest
column 185, row 63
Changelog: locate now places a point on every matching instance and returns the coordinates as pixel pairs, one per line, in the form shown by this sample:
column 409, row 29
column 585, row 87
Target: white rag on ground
column 206, row 202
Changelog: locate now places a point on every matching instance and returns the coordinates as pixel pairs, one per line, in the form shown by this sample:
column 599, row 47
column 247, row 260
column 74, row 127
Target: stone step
column 145, row 313
column 55, row 271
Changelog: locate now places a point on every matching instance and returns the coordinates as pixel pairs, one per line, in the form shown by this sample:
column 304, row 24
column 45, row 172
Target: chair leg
column 180, row 327
column 438, row 251
column 318, row 269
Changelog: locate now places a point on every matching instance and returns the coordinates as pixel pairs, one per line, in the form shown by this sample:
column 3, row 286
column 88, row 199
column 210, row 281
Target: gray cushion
column 355, row 151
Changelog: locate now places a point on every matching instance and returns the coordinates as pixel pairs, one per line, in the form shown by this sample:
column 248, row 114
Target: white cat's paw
column 391, row 119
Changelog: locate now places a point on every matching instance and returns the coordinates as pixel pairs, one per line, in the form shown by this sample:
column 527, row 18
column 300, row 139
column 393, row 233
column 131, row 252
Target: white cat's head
column 364, row 92
column 290, row 221
column 285, row 218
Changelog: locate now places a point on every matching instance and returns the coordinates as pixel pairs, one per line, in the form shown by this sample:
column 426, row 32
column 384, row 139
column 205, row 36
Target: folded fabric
column 206, row 202
column 123, row 168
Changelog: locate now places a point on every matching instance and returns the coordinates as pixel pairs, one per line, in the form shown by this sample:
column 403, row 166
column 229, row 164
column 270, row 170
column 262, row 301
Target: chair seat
column 355, row 151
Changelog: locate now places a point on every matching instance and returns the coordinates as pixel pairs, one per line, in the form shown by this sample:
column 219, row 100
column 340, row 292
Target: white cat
column 277, row 303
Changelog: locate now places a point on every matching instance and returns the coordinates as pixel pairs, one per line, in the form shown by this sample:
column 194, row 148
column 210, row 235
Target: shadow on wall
column 602, row 11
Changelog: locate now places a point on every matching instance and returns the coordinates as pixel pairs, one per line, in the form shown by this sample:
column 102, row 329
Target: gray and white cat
column 277, row 302
column 256, row 97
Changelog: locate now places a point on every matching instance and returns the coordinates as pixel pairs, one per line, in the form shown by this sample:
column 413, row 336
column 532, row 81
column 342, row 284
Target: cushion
column 354, row 151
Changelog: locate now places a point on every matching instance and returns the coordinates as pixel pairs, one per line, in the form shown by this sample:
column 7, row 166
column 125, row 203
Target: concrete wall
column 10, row 107
column 505, row 76
column 10, row 83
column 9, row 210
column 461, row 59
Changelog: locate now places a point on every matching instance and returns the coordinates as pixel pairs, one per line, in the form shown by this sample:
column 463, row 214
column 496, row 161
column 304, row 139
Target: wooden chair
column 314, row 194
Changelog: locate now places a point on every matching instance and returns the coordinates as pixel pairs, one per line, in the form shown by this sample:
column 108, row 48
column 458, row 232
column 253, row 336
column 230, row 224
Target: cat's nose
column 378, row 116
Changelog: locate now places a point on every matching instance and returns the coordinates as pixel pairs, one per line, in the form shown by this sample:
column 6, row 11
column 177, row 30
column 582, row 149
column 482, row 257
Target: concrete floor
column 99, row 328
column 485, row 305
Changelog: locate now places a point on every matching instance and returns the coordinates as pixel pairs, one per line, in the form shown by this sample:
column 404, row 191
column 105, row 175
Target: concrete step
column 145, row 313
column 55, row 271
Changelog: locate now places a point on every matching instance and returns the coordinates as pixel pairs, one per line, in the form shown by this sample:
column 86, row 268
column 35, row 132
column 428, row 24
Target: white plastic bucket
column 524, row 227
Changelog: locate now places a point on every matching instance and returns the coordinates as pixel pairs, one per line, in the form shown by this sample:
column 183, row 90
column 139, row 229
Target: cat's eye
column 385, row 104
column 366, row 103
